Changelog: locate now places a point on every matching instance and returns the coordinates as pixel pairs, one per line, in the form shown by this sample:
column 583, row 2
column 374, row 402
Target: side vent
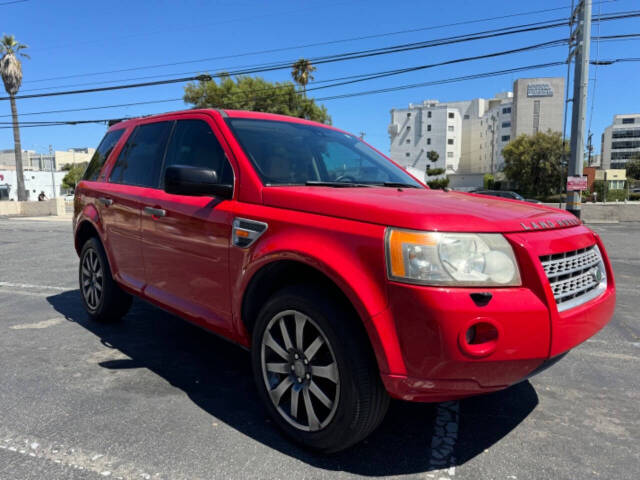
column 246, row 231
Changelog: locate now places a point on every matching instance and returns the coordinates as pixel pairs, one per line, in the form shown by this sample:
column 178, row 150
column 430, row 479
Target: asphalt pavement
column 153, row 397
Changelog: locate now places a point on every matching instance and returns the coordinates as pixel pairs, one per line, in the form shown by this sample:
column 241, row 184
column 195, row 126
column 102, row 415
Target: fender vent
column 246, row 232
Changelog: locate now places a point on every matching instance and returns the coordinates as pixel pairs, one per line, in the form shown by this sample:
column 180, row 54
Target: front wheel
column 314, row 371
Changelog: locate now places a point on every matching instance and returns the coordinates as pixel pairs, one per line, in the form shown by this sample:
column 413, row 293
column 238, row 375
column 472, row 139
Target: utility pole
column 53, row 167
column 589, row 149
column 581, row 40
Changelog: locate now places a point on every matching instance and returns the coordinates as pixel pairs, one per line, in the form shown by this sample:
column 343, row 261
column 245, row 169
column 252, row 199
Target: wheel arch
column 278, row 273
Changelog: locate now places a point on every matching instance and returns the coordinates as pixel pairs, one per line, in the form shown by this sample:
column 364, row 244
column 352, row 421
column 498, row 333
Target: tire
column 102, row 297
column 355, row 400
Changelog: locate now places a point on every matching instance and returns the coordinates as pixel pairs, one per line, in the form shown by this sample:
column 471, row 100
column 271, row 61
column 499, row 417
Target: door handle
column 154, row 212
column 105, row 201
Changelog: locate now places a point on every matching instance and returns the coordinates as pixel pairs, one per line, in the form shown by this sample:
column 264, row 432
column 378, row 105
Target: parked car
column 349, row 281
column 502, row 194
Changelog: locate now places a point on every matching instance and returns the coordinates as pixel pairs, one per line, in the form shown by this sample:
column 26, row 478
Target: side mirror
column 194, row 181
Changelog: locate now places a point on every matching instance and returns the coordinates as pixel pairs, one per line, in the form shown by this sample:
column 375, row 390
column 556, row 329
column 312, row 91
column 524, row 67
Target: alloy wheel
column 300, row 371
column 92, row 279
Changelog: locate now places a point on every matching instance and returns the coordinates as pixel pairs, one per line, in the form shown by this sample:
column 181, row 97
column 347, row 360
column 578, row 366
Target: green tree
column 254, row 93
column 433, row 157
column 74, row 175
column 11, row 71
column 633, row 168
column 534, row 163
column 302, row 72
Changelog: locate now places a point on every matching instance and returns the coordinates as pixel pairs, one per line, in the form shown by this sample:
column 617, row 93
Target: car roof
column 225, row 113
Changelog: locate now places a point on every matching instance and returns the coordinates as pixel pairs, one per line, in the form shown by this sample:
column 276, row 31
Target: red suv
column 349, row 280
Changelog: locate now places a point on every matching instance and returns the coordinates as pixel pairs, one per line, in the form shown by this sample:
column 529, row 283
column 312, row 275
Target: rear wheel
column 314, row 371
column 103, row 299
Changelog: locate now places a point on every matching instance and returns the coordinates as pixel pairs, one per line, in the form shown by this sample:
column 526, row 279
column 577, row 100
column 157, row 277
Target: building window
column 627, row 133
column 506, row 110
column 408, row 114
column 408, row 140
column 466, row 117
column 429, row 128
column 428, row 141
column 506, row 124
column 625, row 144
column 451, row 115
column 536, row 116
column 506, row 138
column 450, row 141
column 450, row 128
column 408, row 128
column 407, row 154
column 429, row 114
column 628, row 120
column 449, row 154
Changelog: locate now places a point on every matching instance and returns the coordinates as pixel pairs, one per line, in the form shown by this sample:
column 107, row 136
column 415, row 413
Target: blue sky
column 79, row 37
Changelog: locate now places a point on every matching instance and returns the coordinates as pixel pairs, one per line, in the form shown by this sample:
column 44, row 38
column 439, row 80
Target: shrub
column 440, row 183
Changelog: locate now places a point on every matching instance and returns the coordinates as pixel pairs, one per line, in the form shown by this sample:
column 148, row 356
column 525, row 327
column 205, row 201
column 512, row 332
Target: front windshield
column 287, row 153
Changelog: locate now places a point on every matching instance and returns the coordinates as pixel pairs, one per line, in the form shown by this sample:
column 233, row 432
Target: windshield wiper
column 319, row 183
column 398, row 184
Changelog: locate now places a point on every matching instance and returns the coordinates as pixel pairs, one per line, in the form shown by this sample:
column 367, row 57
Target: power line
column 5, row 125
column 115, row 87
column 14, row 1
column 323, row 59
column 444, row 81
column 611, row 16
column 375, row 76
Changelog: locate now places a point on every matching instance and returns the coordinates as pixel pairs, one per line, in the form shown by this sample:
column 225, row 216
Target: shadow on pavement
column 217, row 377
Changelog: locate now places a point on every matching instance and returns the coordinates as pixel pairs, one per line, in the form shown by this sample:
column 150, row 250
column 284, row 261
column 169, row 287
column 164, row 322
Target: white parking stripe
column 30, row 285
column 75, row 458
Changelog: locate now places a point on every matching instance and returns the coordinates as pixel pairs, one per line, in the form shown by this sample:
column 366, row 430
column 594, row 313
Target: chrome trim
column 575, row 277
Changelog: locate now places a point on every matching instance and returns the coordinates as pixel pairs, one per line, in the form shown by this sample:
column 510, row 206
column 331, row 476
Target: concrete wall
column 54, row 206
column 607, row 212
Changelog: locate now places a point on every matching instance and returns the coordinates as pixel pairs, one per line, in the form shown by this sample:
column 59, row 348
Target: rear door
column 186, row 239
column 134, row 173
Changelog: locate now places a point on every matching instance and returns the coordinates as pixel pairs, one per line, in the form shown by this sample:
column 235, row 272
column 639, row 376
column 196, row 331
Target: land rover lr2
column 349, row 280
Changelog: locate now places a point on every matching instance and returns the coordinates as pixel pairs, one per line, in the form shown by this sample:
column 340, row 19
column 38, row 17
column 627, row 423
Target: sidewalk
column 67, row 217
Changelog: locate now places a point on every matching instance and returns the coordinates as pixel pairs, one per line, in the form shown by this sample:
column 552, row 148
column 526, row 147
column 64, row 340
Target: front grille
column 575, row 277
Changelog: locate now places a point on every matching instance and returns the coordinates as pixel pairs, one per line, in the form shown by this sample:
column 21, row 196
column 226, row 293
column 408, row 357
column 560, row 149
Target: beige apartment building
column 469, row 135
column 34, row 161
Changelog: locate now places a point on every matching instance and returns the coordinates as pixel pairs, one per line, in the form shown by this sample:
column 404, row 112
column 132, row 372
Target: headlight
column 435, row 258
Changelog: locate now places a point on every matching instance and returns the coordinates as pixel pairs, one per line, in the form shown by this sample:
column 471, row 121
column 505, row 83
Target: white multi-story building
column 420, row 129
column 621, row 141
column 469, row 136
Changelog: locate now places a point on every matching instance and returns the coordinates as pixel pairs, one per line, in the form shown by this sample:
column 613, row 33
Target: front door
column 120, row 199
column 186, row 239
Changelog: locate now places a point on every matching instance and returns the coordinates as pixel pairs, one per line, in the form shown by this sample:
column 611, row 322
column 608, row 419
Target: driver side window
column 194, row 144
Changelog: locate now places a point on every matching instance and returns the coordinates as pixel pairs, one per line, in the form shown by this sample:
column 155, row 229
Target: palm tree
column 11, row 71
column 302, row 72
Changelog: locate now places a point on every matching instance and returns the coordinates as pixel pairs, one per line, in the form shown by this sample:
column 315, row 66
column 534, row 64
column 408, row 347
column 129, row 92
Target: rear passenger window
column 194, row 144
column 141, row 157
column 102, row 153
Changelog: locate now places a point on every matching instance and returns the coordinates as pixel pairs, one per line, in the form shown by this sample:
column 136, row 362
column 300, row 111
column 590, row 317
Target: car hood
column 420, row 209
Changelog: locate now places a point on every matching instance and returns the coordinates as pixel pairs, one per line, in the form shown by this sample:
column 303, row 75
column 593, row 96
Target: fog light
column 479, row 337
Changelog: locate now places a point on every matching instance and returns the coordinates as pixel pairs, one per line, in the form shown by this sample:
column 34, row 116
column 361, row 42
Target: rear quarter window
column 102, row 153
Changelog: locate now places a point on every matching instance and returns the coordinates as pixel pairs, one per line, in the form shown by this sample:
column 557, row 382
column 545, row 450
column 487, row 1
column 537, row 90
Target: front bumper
column 437, row 364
